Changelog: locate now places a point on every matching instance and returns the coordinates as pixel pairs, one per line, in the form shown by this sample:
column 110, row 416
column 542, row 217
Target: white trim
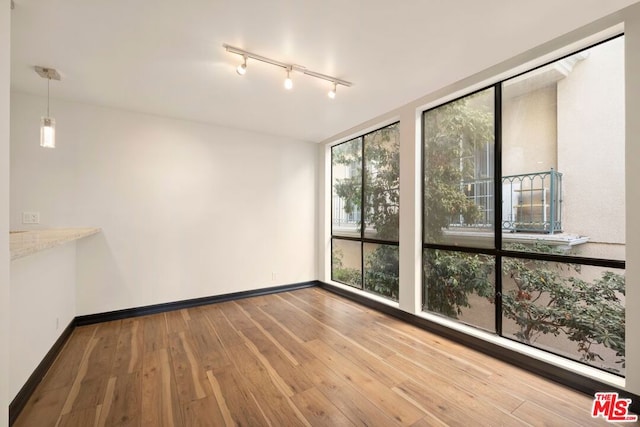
column 632, row 196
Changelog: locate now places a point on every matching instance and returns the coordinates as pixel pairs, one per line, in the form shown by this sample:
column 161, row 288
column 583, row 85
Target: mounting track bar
column 286, row 66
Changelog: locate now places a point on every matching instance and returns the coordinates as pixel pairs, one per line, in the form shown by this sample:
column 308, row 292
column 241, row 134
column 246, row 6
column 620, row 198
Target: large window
column 364, row 212
column 524, row 208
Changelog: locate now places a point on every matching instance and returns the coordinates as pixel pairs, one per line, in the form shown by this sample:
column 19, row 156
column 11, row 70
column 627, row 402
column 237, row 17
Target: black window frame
column 361, row 239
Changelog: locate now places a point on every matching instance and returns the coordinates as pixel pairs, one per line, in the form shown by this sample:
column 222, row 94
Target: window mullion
column 497, row 203
column 362, row 190
column 362, row 213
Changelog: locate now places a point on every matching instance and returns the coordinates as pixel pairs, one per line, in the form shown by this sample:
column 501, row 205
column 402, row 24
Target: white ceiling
column 165, row 57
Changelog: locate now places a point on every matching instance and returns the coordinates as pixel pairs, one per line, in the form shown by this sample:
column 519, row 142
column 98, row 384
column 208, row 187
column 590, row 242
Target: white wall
column 410, row 210
column 5, row 50
column 43, row 303
column 187, row 210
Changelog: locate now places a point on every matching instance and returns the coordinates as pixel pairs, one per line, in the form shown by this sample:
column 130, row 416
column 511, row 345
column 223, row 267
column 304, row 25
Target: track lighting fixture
column 48, row 123
column 288, row 83
column 242, row 68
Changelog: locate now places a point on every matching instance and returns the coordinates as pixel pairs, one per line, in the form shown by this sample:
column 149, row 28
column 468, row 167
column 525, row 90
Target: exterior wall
column 591, row 150
column 531, row 147
column 187, row 210
column 350, row 253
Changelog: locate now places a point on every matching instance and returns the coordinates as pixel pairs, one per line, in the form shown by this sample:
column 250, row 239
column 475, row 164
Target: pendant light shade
column 48, row 132
column 288, row 83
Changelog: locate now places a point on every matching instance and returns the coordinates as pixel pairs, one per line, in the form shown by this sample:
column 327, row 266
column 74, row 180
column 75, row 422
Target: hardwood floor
column 305, row 357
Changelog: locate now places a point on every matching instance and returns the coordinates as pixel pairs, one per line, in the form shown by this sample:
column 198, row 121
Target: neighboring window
column 524, row 215
column 365, row 174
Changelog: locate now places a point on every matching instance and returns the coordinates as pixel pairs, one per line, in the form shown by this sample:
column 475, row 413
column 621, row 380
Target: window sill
column 562, row 241
column 559, row 361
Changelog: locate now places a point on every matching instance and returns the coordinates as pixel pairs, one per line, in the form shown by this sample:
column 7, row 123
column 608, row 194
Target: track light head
column 242, row 68
column 332, row 92
column 288, row 83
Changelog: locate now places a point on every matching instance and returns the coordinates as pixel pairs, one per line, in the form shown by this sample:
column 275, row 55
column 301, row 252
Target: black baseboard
column 559, row 375
column 126, row 313
column 18, row 403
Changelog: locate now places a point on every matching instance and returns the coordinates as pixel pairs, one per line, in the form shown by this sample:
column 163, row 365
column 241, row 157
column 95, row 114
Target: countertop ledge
column 25, row 243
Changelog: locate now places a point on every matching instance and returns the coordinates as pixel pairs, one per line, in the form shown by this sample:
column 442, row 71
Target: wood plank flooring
column 300, row 358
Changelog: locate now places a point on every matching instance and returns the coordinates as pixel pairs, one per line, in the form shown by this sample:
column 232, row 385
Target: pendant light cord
column 48, row 81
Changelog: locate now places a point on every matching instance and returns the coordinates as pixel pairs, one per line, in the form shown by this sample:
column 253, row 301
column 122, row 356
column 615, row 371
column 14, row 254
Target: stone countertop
column 24, row 243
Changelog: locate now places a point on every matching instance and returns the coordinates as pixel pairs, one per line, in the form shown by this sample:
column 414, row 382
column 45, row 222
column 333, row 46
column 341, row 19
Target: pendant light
column 48, row 123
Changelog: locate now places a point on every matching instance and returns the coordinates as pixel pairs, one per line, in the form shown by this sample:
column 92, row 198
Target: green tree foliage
column 450, row 278
column 382, row 182
column 551, row 298
column 381, row 271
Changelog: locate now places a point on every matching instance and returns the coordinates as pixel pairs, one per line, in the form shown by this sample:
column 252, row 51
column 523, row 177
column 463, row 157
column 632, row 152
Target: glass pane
column 571, row 310
column 346, row 176
column 346, row 262
column 381, row 270
column 460, row 285
column 382, row 183
column 563, row 163
column 458, row 172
